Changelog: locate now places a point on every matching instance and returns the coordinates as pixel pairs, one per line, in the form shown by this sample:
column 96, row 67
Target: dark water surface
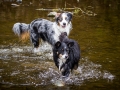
column 96, row 27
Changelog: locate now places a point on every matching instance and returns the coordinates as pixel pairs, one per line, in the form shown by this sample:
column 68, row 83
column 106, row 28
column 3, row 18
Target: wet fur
column 73, row 55
column 24, row 36
column 44, row 29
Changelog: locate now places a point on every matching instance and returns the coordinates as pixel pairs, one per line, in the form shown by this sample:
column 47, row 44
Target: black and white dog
column 44, row 29
column 66, row 54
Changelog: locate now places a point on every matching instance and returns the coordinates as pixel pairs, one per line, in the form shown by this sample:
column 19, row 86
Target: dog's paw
column 36, row 50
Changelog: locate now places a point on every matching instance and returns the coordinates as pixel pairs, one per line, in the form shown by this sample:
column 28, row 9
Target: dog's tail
column 22, row 30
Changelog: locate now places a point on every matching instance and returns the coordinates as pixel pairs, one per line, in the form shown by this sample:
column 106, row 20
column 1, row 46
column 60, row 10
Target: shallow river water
column 95, row 27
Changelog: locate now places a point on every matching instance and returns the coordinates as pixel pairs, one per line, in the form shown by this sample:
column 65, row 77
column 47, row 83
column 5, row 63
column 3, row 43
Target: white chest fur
column 61, row 62
column 58, row 30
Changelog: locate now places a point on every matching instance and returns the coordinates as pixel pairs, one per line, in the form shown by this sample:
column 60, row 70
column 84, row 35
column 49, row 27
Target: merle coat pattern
column 44, row 29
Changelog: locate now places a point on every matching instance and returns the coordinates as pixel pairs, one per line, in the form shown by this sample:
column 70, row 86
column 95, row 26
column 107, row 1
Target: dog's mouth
column 63, row 26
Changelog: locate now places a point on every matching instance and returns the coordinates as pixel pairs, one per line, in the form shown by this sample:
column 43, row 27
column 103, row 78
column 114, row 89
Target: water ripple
column 26, row 68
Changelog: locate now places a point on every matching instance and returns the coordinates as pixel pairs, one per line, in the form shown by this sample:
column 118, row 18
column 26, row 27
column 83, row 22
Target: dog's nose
column 64, row 24
column 66, row 57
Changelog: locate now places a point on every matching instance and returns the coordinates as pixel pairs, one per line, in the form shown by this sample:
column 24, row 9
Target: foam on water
column 86, row 71
column 45, row 71
column 20, row 51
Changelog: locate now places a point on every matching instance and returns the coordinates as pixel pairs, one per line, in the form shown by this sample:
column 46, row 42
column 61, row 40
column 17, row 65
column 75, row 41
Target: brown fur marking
column 60, row 55
column 24, row 37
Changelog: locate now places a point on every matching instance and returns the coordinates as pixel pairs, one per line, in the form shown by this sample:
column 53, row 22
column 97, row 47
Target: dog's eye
column 67, row 50
column 62, row 49
column 60, row 19
column 66, row 18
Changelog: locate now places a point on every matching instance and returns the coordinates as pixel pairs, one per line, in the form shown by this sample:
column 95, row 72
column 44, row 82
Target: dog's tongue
column 63, row 26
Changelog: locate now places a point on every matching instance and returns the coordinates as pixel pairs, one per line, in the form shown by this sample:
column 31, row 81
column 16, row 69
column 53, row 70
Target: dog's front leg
column 35, row 41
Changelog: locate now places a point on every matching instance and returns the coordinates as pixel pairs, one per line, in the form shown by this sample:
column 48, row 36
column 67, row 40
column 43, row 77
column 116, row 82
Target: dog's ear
column 69, row 14
column 57, row 15
column 58, row 44
column 70, row 44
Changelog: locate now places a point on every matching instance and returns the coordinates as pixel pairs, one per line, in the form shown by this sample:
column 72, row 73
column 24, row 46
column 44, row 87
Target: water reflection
column 38, row 70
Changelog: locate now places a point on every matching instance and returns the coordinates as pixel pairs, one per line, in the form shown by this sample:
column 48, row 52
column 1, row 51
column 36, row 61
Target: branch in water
column 76, row 11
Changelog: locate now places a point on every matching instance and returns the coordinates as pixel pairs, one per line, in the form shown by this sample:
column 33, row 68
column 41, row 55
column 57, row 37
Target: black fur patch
column 73, row 54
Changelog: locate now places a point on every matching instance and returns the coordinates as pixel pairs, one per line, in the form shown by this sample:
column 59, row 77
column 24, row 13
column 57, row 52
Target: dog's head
column 63, row 19
column 62, row 51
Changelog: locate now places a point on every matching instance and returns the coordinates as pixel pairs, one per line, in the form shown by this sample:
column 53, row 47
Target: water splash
column 31, row 69
column 45, row 52
column 86, row 71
